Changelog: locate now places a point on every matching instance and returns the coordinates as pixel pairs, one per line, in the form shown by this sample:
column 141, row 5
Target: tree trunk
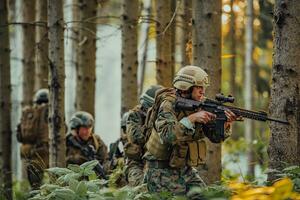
column 232, row 49
column 5, row 102
column 248, row 95
column 186, row 21
column 71, row 58
column 163, row 43
column 129, row 54
column 57, row 144
column 207, row 55
column 284, row 145
column 86, row 71
column 174, row 33
column 28, row 50
column 145, row 50
column 41, row 64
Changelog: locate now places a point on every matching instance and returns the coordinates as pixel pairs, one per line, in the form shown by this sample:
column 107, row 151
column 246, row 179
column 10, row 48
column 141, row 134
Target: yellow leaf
column 228, row 56
column 283, row 189
column 257, row 191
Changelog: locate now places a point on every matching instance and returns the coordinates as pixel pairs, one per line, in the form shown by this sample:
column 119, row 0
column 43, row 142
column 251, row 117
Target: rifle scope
column 221, row 98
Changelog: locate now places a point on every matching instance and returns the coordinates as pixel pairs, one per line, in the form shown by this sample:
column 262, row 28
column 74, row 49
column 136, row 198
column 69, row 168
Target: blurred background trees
column 111, row 51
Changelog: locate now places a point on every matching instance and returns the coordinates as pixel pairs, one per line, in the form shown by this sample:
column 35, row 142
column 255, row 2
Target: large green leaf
column 90, row 164
column 81, row 189
column 64, row 194
column 59, row 171
column 74, row 168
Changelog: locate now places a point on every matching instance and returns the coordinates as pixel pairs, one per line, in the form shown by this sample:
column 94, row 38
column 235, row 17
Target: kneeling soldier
column 83, row 145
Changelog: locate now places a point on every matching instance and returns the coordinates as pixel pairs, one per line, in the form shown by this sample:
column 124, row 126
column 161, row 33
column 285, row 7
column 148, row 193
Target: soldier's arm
column 134, row 127
column 169, row 128
column 74, row 156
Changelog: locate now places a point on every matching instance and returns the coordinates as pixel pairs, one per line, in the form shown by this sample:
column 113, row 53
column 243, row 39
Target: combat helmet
column 189, row 76
column 81, row 119
column 41, row 96
column 147, row 98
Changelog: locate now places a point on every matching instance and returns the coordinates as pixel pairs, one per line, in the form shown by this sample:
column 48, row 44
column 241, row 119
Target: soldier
column 134, row 148
column 32, row 132
column 83, row 145
column 116, row 154
column 174, row 144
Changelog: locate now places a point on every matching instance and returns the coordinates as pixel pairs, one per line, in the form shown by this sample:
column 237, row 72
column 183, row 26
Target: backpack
column 161, row 95
column 34, row 126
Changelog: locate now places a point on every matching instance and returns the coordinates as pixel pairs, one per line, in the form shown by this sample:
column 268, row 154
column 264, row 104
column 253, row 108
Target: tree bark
column 145, row 51
column 5, row 104
column 56, row 83
column 186, row 32
column 284, row 148
column 71, row 59
column 41, row 64
column 207, row 55
column 86, row 69
column 129, row 54
column 248, row 95
column 164, row 67
column 232, row 49
column 28, row 50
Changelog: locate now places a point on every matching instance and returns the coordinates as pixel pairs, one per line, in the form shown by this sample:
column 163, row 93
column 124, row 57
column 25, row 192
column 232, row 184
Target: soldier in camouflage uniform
column 32, row 132
column 173, row 148
column 81, row 126
column 116, row 153
column 134, row 149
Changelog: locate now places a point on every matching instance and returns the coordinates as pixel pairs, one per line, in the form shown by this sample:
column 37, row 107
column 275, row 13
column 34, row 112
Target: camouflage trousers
column 177, row 182
column 134, row 172
column 35, row 166
column 35, row 173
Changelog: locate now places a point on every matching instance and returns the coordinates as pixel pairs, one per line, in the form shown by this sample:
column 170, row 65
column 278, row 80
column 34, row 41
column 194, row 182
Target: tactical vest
column 187, row 150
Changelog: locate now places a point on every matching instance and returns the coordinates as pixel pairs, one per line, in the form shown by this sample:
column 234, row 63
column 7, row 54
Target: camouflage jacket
column 94, row 146
column 171, row 127
column 134, row 125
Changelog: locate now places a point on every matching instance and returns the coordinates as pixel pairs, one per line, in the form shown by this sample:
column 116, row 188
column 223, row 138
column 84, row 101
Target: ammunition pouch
column 133, row 151
column 197, row 153
column 178, row 156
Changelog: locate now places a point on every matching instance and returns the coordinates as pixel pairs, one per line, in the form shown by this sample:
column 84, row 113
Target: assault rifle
column 90, row 153
column 218, row 108
column 114, row 153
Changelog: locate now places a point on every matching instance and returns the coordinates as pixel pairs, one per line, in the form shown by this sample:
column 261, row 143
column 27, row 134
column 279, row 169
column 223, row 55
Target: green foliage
column 211, row 192
column 72, row 183
column 293, row 172
column 117, row 176
column 78, row 183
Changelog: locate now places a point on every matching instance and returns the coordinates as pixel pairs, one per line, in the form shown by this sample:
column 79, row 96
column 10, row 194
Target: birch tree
column 57, row 144
column 207, row 55
column 284, row 145
column 129, row 54
column 5, row 104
